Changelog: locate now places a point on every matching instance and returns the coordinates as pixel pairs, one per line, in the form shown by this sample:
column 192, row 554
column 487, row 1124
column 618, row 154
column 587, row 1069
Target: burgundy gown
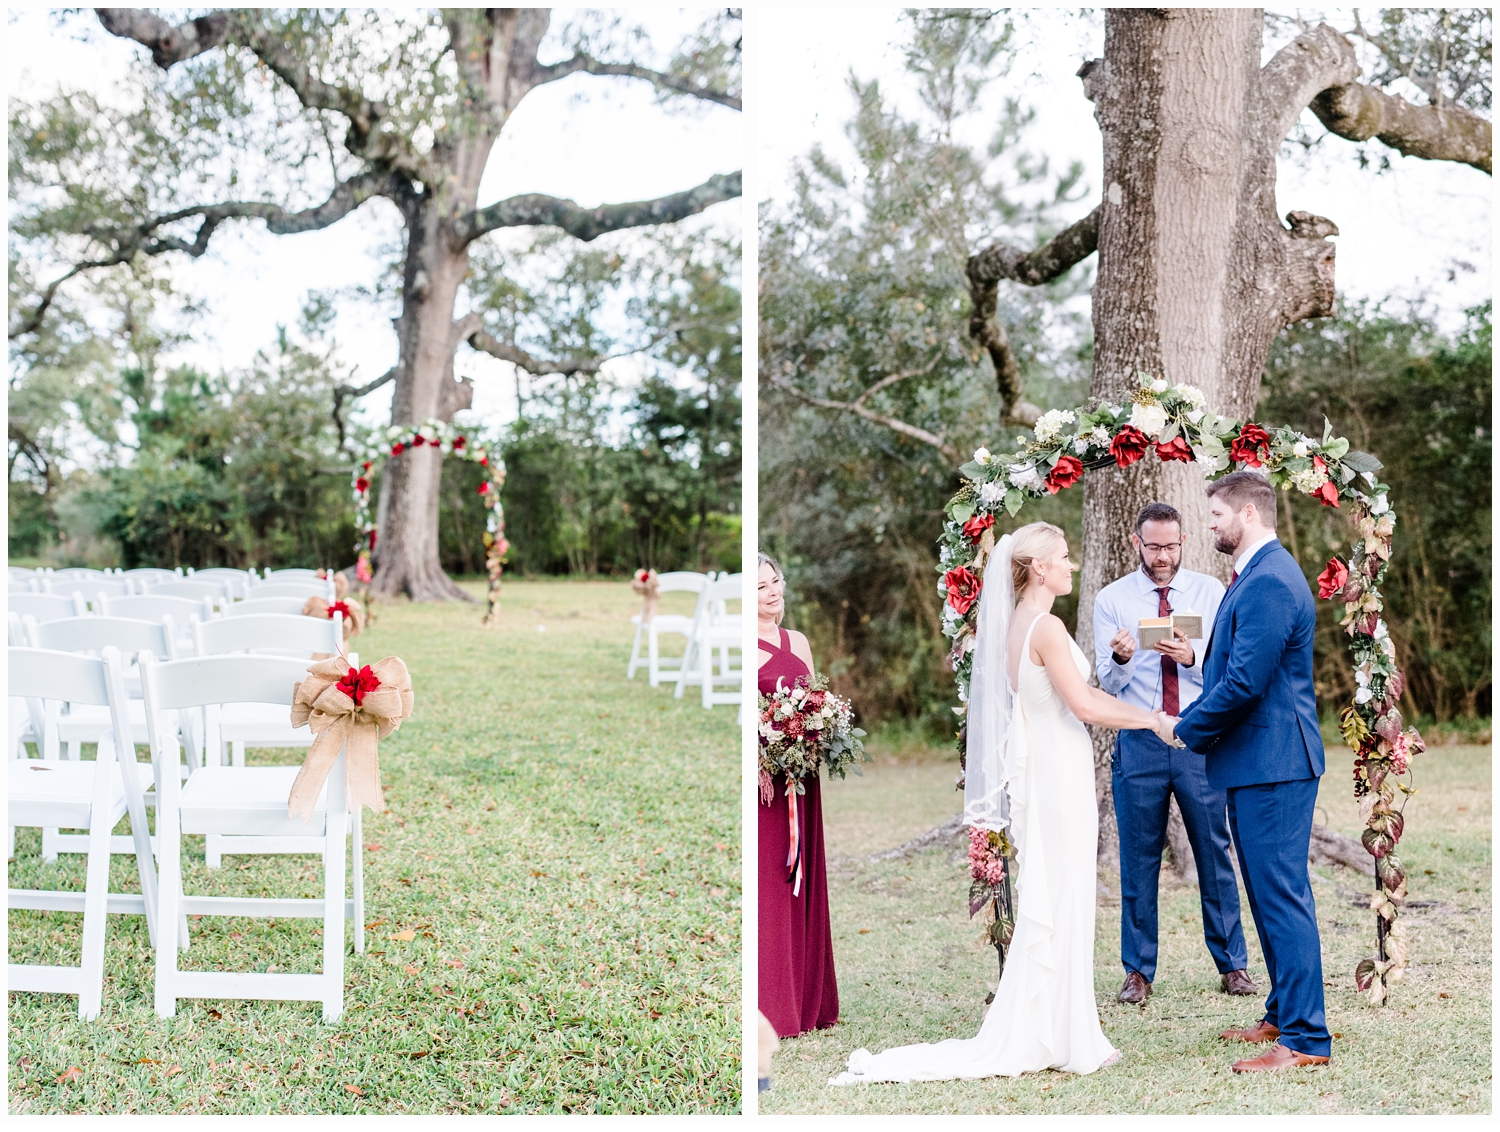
column 797, row 987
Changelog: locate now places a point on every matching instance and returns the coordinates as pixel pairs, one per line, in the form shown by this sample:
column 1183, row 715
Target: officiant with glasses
column 1146, row 773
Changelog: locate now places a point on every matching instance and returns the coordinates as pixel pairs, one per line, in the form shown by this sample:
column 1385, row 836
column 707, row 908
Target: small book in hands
column 1154, row 629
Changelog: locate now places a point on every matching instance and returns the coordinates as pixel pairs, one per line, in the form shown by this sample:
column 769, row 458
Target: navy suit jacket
column 1257, row 719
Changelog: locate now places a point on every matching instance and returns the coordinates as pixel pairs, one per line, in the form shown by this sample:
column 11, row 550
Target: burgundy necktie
column 1234, row 576
column 1168, row 665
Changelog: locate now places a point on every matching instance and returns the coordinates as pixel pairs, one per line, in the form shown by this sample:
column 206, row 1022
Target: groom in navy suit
column 1256, row 725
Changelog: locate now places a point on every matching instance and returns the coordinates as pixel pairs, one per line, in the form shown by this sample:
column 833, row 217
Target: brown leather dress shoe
column 1277, row 1057
column 1136, row 989
column 1262, row 1031
column 1236, row 982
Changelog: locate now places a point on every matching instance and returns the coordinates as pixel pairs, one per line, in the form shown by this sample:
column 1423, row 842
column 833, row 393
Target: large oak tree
column 347, row 107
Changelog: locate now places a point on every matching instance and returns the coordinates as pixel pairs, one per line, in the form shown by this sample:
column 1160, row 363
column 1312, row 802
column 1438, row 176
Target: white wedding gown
column 1044, row 1015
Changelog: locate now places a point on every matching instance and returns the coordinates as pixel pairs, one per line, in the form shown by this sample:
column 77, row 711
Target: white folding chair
column 291, row 574
column 216, row 592
column 92, row 590
column 259, row 606
column 239, row 581
column 719, row 635
column 82, row 723
column 46, row 607
column 313, row 587
column 149, row 574
column 247, row 801
column 86, row 795
column 677, row 581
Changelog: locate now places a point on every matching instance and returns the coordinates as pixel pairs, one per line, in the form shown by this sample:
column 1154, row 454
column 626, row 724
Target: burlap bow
column 344, row 706
column 644, row 583
column 354, row 617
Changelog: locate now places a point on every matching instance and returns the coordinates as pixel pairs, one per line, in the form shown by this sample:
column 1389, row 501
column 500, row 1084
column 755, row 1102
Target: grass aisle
column 913, row 968
column 563, row 849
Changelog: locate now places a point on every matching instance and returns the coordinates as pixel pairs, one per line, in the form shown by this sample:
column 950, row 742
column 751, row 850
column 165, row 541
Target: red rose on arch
column 974, row 529
column 1248, row 446
column 397, row 448
column 1128, row 446
column 418, row 440
column 484, row 461
column 372, row 538
column 1332, row 580
column 1175, row 449
column 1065, row 473
column 458, row 443
column 361, row 484
column 365, row 466
column 1328, row 493
column 963, row 589
column 484, row 487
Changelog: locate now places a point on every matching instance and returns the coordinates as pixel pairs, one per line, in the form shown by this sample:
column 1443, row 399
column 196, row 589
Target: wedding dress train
column 1044, row 1015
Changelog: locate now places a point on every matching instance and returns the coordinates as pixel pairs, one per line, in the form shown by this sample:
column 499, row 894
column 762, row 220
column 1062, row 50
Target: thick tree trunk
column 1196, row 273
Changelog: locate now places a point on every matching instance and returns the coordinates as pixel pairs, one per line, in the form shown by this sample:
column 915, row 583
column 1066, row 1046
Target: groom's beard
column 1228, row 541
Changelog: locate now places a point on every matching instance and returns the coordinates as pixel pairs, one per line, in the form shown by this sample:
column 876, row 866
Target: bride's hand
column 1166, row 729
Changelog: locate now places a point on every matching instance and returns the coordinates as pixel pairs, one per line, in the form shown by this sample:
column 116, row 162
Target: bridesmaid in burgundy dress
column 797, row 988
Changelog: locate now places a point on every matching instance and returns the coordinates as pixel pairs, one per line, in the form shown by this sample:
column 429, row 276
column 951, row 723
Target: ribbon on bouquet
column 344, row 706
column 794, row 840
column 644, row 582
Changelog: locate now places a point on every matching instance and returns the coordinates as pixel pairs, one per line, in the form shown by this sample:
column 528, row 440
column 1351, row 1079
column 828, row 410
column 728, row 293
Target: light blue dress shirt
column 1122, row 604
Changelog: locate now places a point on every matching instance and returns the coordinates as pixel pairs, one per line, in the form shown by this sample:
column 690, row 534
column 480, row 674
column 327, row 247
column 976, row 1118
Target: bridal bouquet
column 805, row 727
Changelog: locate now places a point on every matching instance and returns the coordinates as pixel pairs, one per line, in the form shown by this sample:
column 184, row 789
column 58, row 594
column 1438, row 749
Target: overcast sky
column 1402, row 232
column 594, row 140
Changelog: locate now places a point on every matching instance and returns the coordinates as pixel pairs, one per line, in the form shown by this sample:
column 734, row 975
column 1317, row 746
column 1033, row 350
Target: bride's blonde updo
column 1032, row 542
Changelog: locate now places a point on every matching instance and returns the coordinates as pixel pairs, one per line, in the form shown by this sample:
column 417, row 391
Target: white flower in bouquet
column 1025, row 476
column 1080, row 444
column 1380, row 505
column 1149, row 419
column 1048, row 430
column 992, row 492
column 1191, row 394
column 1300, row 448
column 982, row 456
column 1100, row 436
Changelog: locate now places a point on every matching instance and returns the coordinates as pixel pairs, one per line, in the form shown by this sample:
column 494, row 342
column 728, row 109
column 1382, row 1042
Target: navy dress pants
column 1272, row 824
column 1145, row 773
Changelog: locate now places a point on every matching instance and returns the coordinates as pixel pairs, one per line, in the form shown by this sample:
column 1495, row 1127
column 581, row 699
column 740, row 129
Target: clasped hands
column 1165, row 729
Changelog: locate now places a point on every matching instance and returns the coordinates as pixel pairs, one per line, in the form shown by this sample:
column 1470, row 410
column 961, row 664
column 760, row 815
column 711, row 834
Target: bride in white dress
column 1030, row 766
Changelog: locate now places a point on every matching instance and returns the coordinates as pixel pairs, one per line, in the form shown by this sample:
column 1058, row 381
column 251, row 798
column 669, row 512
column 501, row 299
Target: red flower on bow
column 484, row 487
column 339, row 607
column 1248, row 446
column 642, row 575
column 418, row 440
column 458, row 443
column 963, row 589
column 1128, row 446
column 1175, row 449
column 974, row 529
column 361, row 484
column 397, row 448
column 1065, row 473
column 1332, row 580
column 358, row 685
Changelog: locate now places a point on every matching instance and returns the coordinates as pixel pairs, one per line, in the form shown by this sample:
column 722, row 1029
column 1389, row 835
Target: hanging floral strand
column 449, row 439
column 1173, row 423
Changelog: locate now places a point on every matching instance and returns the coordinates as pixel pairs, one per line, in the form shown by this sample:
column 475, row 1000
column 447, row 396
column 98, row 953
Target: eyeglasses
column 1159, row 547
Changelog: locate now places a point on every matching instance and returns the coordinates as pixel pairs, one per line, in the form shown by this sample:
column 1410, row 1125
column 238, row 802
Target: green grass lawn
column 565, row 846
column 913, row 968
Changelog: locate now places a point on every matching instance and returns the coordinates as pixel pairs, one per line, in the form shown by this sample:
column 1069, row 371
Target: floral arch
column 1173, row 424
column 450, row 440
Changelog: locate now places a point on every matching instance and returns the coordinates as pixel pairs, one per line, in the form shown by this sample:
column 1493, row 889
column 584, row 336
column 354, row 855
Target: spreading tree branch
column 1434, row 133
column 506, row 352
column 1318, row 69
column 949, row 453
column 243, row 26
column 588, row 65
column 1001, row 261
column 146, row 238
column 343, row 393
column 590, row 223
